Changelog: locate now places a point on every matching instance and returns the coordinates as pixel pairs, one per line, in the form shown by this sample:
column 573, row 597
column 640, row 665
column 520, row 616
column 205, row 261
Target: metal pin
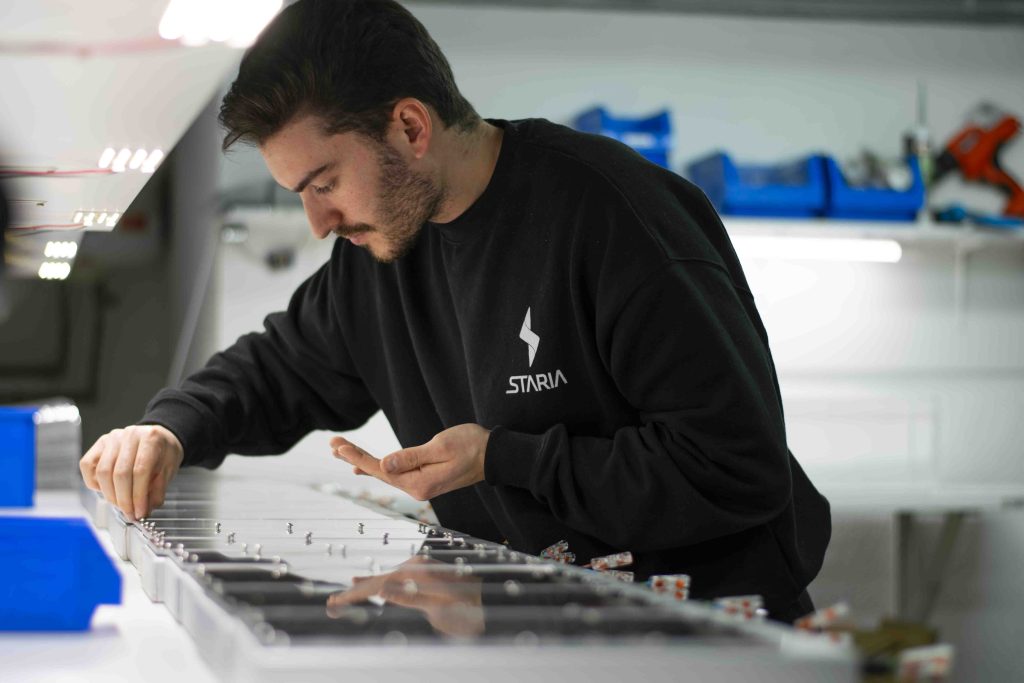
column 217, row 527
column 309, row 538
column 257, row 548
column 344, row 552
column 231, row 537
column 329, row 551
column 385, row 538
column 245, row 548
column 360, row 528
column 291, row 528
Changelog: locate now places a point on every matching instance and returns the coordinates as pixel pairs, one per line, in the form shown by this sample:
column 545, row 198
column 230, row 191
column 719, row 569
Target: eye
column 323, row 190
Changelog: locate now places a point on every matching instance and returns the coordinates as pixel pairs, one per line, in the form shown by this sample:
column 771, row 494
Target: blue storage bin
column 650, row 136
column 17, row 457
column 870, row 203
column 53, row 574
column 795, row 189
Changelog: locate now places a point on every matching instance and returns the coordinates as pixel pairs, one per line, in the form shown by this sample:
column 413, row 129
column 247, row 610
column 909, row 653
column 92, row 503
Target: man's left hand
column 451, row 460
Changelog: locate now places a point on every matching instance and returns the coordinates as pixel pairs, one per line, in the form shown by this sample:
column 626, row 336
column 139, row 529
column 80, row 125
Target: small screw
column 217, row 527
column 231, row 537
column 291, row 528
column 385, row 538
column 360, row 528
column 309, row 538
column 329, row 551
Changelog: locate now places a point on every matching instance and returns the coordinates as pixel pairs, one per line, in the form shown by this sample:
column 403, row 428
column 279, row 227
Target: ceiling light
column 235, row 22
column 152, row 161
column 106, row 157
column 54, row 270
column 121, row 160
column 137, row 159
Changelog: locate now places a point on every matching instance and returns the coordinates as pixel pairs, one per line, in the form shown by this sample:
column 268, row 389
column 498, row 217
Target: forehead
column 301, row 146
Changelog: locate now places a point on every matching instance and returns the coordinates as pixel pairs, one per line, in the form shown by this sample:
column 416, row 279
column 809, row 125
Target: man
column 559, row 332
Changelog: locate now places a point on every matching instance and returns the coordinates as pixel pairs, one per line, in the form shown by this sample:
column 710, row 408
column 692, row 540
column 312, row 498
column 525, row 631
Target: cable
column 87, row 50
column 20, row 173
column 53, row 226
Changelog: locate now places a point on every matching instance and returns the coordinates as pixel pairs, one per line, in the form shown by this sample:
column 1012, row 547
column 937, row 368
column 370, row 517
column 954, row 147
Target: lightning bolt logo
column 531, row 338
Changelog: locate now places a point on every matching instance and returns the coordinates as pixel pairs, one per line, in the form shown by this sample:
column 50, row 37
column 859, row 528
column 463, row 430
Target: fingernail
column 390, row 466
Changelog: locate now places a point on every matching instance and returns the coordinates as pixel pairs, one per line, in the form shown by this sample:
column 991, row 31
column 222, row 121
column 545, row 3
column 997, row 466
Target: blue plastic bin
column 650, row 136
column 873, row 204
column 17, row 457
column 794, row 189
column 53, row 574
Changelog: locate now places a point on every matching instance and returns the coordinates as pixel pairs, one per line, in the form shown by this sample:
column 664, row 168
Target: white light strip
column 67, row 250
column 106, row 157
column 236, row 22
column 137, row 159
column 818, row 249
column 152, row 161
column 121, row 160
column 112, row 219
column 54, row 270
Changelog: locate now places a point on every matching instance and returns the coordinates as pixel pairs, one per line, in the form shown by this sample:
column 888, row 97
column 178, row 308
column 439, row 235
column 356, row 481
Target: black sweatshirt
column 589, row 309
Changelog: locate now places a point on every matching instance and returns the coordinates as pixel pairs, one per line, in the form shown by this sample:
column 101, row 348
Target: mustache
column 343, row 231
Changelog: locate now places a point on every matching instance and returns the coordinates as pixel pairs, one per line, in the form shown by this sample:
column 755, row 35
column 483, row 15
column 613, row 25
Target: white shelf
column 962, row 238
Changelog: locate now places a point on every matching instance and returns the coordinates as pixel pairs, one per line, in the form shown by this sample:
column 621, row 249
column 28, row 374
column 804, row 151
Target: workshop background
column 895, row 376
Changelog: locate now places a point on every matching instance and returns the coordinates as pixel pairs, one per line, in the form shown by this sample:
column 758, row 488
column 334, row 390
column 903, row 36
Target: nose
column 323, row 217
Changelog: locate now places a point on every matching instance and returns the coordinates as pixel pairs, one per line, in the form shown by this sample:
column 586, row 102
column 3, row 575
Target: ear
column 412, row 126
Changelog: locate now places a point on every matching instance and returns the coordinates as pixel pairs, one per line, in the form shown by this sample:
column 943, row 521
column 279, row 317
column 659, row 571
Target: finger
column 87, row 464
column 157, row 489
column 142, row 473
column 409, row 459
column 105, row 468
column 357, row 457
column 123, row 474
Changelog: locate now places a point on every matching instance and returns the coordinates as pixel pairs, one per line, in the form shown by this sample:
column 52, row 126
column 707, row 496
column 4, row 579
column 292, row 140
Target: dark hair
column 346, row 61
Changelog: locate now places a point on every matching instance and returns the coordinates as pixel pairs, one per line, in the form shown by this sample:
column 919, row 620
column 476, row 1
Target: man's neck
column 467, row 165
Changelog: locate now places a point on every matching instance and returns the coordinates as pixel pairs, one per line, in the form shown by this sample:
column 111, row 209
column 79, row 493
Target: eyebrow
column 311, row 175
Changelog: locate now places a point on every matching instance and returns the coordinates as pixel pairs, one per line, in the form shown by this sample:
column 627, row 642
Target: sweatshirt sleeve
column 269, row 389
column 707, row 456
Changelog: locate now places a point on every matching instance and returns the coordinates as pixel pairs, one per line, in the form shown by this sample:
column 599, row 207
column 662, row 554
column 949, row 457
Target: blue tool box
column 17, row 456
column 650, row 136
column 53, row 574
column 794, row 189
column 865, row 203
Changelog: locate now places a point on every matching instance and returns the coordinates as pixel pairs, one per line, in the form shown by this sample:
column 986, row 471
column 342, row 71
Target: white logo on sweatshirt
column 522, row 384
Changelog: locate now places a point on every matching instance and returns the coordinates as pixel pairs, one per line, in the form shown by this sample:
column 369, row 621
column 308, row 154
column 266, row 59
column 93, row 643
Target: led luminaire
column 235, row 22
column 89, row 219
column 78, row 217
column 137, row 159
column 818, row 249
column 112, row 219
column 106, row 157
column 64, row 250
column 54, row 270
column 121, row 160
column 152, row 161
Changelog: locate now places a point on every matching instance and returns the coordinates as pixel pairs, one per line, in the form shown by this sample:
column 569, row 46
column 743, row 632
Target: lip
column 358, row 238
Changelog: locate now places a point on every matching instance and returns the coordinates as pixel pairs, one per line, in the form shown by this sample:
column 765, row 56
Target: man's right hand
column 132, row 467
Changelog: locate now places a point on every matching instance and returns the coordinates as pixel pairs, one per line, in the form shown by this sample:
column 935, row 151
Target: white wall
column 881, row 375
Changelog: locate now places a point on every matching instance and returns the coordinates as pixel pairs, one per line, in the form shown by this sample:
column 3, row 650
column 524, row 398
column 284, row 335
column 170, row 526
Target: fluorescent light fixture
column 65, row 250
column 121, row 160
column 235, row 22
column 817, row 248
column 54, row 270
column 137, row 159
column 152, row 161
column 106, row 157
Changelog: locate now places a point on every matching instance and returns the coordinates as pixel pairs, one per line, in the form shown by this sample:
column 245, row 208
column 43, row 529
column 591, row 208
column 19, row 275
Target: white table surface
column 137, row 640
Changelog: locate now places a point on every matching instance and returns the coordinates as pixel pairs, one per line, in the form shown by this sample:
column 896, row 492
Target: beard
column 406, row 200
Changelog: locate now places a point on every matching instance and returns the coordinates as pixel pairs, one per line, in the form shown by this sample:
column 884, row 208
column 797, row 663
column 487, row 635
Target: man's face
column 353, row 187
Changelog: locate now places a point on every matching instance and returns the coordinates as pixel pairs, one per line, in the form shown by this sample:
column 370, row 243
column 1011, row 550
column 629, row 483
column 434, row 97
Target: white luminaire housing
column 817, row 248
